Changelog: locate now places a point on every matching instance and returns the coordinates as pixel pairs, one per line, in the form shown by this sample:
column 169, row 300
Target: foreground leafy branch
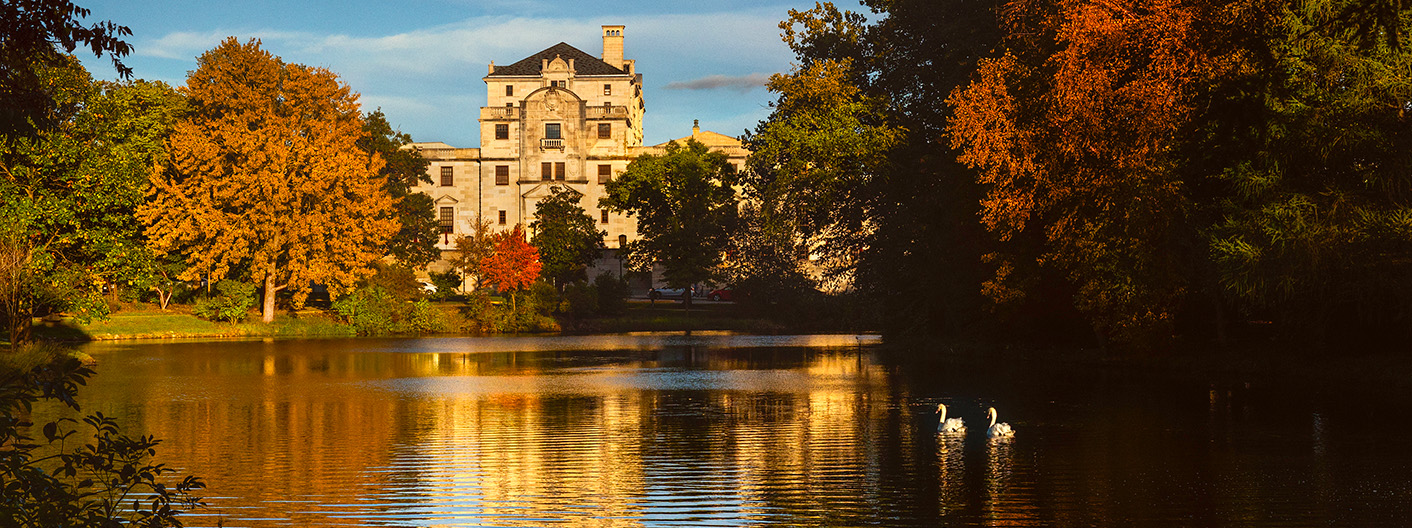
column 109, row 480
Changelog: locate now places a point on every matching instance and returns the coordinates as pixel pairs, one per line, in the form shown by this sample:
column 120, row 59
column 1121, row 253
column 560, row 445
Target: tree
column 472, row 249
column 31, row 34
column 267, row 180
column 812, row 164
column 70, row 190
column 566, row 236
column 414, row 244
column 1075, row 140
column 685, row 208
column 859, row 122
column 513, row 265
column 1311, row 226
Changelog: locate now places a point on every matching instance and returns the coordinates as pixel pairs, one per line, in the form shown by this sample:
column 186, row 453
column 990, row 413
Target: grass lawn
column 145, row 323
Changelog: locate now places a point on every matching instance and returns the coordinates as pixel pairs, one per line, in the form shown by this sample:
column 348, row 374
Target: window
column 546, row 171
column 559, row 171
column 603, row 215
column 622, row 241
column 509, row 105
column 607, row 89
column 502, row 175
column 446, row 179
column 447, row 220
column 509, row 90
column 551, row 131
column 605, row 173
column 605, row 130
column 502, row 217
column 560, row 84
column 502, row 131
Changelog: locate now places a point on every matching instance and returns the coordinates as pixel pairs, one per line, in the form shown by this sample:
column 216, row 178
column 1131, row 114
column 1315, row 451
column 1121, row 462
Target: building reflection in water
column 295, row 436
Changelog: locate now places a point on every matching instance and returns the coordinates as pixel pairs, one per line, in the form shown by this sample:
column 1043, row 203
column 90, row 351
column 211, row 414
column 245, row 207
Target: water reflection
column 951, row 473
column 725, row 431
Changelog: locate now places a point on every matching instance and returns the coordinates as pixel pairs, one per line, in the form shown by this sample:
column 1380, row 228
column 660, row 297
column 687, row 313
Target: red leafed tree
column 513, row 264
column 1074, row 139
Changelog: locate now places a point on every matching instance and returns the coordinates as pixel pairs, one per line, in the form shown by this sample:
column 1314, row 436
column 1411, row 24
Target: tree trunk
column 267, row 314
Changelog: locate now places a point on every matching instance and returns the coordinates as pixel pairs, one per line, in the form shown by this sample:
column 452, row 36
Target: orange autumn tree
column 1074, row 132
column 512, row 264
column 266, row 179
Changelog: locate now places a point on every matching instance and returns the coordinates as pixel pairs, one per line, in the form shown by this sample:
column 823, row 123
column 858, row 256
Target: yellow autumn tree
column 266, row 180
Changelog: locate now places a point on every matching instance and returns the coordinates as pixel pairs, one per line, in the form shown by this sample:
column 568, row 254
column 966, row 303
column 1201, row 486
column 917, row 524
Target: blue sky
column 422, row 61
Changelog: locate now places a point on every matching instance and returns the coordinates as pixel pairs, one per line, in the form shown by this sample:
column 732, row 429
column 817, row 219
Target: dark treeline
column 1127, row 173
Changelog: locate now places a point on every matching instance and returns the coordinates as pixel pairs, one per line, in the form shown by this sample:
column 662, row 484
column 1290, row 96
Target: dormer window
column 559, row 84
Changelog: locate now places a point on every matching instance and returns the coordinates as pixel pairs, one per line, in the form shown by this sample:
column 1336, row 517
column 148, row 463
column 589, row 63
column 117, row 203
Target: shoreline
column 138, row 322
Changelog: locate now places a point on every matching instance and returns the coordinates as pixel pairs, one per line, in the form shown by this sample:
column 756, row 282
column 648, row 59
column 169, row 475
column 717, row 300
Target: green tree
column 267, row 180
column 854, row 165
column 566, row 236
column 414, row 244
column 32, row 33
column 685, row 207
column 812, row 165
column 1312, row 215
column 70, row 190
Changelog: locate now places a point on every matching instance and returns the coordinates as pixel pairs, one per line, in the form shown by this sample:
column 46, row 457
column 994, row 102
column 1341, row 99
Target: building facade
column 558, row 118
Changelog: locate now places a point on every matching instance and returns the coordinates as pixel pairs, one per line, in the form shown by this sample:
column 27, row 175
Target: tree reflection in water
column 731, row 430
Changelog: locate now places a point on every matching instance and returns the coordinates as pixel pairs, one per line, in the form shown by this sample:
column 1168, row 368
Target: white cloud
column 740, row 83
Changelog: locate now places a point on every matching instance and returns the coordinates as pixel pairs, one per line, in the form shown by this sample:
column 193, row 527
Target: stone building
column 560, row 117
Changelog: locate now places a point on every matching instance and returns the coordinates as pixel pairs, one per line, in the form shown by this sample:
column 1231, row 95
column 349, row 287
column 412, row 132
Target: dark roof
column 584, row 64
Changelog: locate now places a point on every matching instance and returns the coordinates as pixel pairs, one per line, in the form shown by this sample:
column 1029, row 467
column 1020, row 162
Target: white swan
column 944, row 425
column 997, row 430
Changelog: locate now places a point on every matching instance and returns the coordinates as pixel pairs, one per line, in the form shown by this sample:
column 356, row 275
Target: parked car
column 667, row 293
column 723, row 294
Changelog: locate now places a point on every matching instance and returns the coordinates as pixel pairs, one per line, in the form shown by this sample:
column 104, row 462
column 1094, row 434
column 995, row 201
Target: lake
column 724, row 430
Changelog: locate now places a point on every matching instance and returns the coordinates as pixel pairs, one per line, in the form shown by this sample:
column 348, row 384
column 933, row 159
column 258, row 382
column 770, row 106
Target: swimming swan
column 997, row 430
column 953, row 425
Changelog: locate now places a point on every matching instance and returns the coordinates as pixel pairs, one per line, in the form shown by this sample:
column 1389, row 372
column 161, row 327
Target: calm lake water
column 733, row 431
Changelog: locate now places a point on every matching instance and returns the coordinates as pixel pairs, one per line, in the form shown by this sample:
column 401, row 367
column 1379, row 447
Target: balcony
column 499, row 112
column 605, row 112
column 551, row 144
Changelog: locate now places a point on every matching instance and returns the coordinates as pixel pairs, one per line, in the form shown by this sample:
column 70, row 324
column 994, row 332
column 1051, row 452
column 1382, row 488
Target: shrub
column 423, row 319
column 543, row 299
column 612, row 294
column 485, row 315
column 580, row 300
column 372, row 310
column 398, row 281
column 447, row 284
column 232, row 302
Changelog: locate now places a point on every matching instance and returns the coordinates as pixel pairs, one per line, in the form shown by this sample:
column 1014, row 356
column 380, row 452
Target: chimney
column 492, row 67
column 613, row 46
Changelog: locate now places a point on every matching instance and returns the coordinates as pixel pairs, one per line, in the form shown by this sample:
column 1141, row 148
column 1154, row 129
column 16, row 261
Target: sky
column 422, row 62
